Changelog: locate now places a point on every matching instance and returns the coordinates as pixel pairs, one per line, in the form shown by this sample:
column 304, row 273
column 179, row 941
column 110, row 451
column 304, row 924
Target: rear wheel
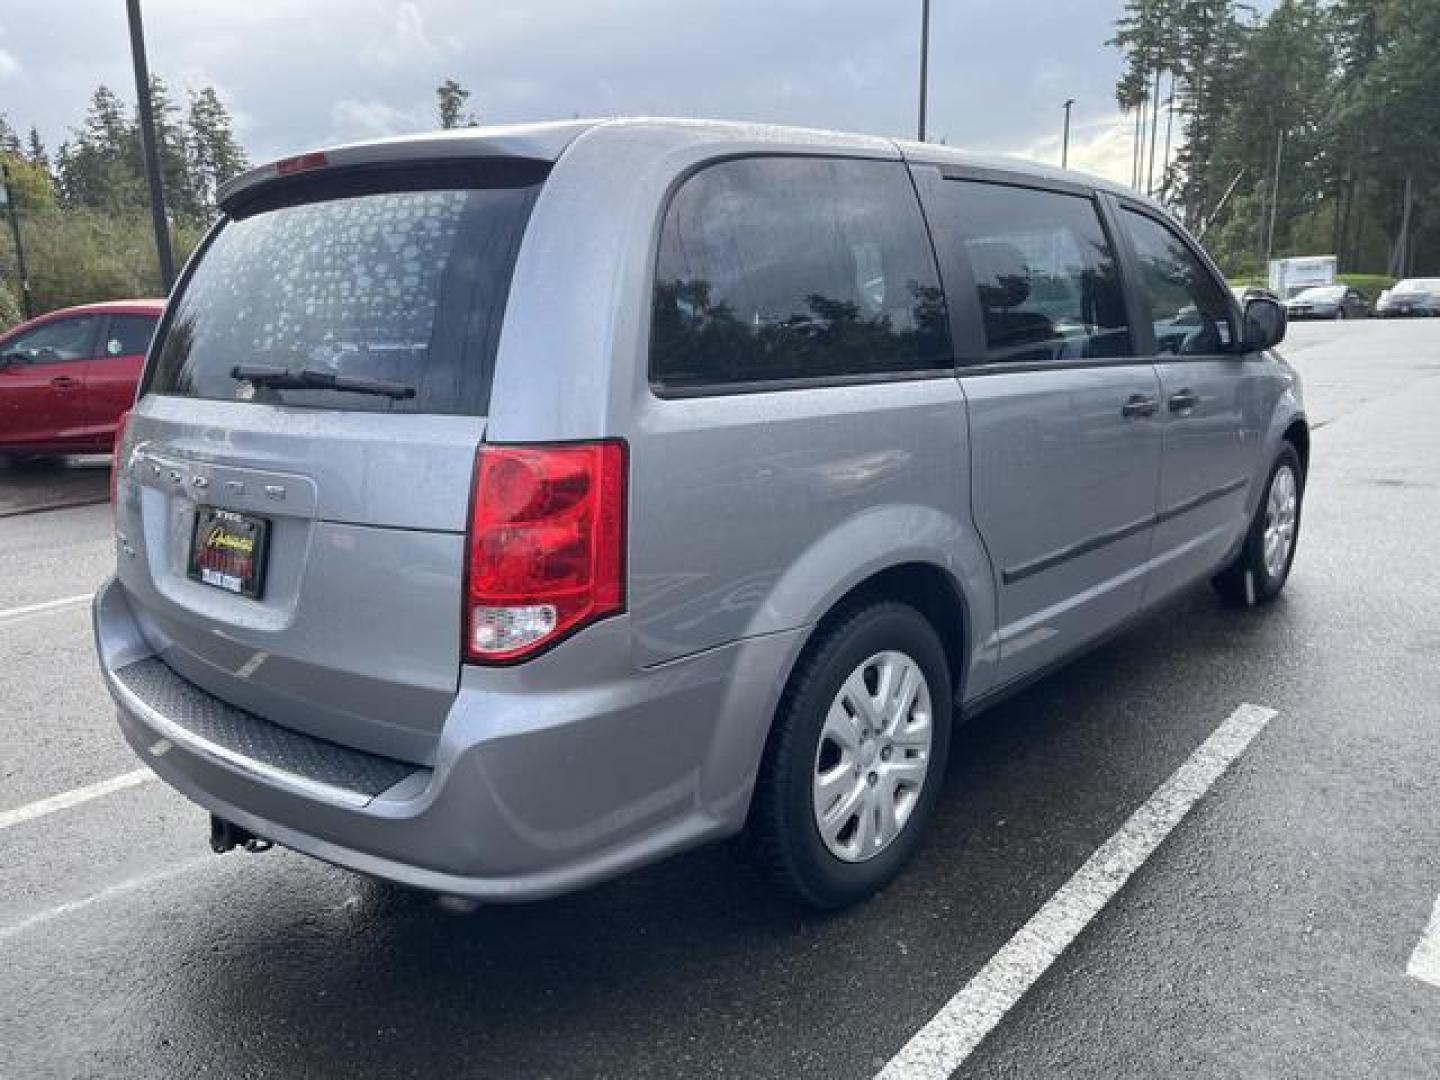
column 856, row 757
column 1259, row 572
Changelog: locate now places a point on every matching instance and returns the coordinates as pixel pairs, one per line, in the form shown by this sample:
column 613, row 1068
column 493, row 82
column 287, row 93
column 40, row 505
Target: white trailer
column 1289, row 276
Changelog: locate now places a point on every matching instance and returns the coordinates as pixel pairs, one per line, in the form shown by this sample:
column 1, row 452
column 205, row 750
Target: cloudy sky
column 301, row 73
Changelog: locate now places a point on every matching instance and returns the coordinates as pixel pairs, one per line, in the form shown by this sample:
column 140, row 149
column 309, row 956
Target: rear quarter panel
column 755, row 513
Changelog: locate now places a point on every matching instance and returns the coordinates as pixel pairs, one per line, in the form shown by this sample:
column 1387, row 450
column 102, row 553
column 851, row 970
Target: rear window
column 396, row 284
column 129, row 335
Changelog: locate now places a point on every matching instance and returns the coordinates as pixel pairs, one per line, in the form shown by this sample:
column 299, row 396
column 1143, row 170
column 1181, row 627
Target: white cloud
column 1103, row 147
column 9, row 66
column 400, row 39
column 354, row 119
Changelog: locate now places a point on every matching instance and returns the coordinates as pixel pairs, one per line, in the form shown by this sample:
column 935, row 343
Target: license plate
column 228, row 551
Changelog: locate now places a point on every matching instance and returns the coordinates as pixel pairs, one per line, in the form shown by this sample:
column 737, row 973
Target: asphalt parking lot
column 1278, row 921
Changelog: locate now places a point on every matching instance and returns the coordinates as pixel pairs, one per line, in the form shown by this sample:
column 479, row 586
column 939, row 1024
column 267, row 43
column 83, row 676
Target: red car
column 66, row 377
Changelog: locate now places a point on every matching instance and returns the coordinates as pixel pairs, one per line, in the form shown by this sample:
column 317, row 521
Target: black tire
column 784, row 833
column 1247, row 580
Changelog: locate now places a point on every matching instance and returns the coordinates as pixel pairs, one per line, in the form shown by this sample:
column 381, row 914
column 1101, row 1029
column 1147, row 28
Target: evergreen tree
column 214, row 154
column 98, row 167
column 37, row 153
column 450, row 99
column 9, row 141
column 182, row 198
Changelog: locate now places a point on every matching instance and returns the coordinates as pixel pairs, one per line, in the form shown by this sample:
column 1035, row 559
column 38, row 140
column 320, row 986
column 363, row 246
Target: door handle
column 64, row 382
column 1182, row 401
column 1139, row 405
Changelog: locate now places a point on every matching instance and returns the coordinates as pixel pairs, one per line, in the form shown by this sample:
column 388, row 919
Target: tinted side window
column 777, row 268
column 129, row 335
column 55, row 342
column 1187, row 305
column 1045, row 276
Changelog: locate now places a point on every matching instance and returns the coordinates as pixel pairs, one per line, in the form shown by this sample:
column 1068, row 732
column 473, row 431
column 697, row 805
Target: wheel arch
column 919, row 554
column 1297, row 434
column 929, row 589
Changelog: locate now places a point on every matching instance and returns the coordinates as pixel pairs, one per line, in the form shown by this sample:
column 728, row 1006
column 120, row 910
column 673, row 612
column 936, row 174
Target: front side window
column 779, row 268
column 54, row 343
column 129, row 335
column 1187, row 306
column 1045, row 276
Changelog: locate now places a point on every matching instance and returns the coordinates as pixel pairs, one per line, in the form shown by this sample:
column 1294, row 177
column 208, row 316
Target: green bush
column 79, row 256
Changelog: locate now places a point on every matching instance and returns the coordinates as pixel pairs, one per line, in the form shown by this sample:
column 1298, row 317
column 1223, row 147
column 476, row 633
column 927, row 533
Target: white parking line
column 67, row 799
column 1425, row 960
column 63, row 604
column 943, row 1044
column 119, row 889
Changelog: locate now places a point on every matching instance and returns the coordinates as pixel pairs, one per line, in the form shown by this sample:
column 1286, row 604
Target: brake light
column 301, row 163
column 546, row 549
column 118, row 454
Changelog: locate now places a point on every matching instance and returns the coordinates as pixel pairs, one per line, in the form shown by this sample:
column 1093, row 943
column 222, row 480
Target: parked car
column 751, row 459
column 66, row 377
column 1413, row 296
column 1328, row 302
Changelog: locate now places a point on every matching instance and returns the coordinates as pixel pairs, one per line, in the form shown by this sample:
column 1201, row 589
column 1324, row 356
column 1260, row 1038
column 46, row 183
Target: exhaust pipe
column 227, row 836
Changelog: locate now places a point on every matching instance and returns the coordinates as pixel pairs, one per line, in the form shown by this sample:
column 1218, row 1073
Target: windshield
column 1321, row 292
column 349, row 287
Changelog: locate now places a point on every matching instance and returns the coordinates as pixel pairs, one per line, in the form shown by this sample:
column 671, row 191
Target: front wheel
column 1260, row 570
column 856, row 757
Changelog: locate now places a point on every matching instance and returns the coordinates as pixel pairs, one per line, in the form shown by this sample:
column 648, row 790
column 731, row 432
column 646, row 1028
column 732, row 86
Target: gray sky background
column 301, row 73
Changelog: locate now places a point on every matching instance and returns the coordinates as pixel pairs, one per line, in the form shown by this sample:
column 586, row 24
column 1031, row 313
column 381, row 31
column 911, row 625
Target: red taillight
column 546, row 550
column 301, row 163
column 117, row 457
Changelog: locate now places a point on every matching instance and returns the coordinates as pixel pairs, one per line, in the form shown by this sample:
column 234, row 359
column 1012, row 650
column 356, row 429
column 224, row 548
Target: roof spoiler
column 534, row 142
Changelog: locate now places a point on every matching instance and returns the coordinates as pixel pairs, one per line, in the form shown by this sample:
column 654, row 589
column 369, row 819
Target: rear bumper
column 550, row 776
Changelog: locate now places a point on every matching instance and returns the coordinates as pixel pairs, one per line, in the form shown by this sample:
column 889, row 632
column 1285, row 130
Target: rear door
column 113, row 373
column 299, row 550
column 1215, row 402
column 42, row 387
column 1064, row 436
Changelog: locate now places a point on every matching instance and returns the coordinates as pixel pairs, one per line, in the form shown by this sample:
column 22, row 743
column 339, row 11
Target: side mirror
column 1265, row 322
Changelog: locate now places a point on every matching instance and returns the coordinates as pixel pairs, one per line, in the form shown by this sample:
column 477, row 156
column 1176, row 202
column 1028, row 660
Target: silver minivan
column 508, row 508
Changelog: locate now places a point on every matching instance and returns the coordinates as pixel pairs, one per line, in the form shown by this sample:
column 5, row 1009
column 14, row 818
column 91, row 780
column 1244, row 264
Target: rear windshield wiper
column 279, row 378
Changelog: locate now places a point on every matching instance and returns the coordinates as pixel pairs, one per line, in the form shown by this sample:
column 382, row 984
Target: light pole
column 924, row 62
column 1065, row 139
column 147, row 144
column 1274, row 200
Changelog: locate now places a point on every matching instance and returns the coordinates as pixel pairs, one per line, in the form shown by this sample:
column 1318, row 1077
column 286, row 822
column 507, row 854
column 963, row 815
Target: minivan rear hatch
column 298, row 470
